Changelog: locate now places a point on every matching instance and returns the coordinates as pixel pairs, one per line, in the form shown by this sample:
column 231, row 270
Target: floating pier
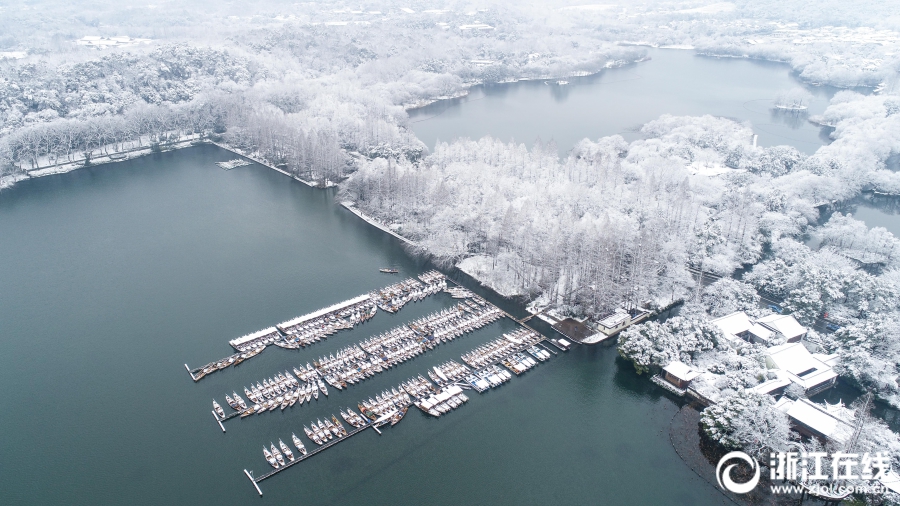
column 546, row 348
column 218, row 421
column 233, row 164
column 312, row 327
column 308, row 455
column 253, row 482
column 435, row 402
column 377, row 354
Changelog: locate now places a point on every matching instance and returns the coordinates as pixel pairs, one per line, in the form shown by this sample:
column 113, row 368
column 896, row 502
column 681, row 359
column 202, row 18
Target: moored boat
column 277, row 454
column 240, row 402
column 398, row 416
column 286, row 450
column 299, row 444
column 269, row 458
column 337, row 423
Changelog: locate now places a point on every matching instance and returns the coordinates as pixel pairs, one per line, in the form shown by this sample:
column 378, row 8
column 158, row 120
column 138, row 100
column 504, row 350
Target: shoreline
column 260, row 162
column 612, row 64
column 350, row 206
column 122, row 156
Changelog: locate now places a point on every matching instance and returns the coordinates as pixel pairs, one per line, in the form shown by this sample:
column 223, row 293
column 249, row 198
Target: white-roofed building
column 676, row 377
column 798, row 365
column 773, row 386
column 767, row 330
column 760, row 334
column 679, row 374
column 814, row 420
column 734, row 326
column 785, row 325
column 831, row 360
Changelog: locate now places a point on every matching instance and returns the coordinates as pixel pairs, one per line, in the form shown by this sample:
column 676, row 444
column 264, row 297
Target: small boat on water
column 240, row 402
column 389, row 270
column 277, row 454
column 326, row 434
column 286, row 450
column 322, row 387
column 330, row 428
column 269, row 458
column 298, row 444
column 340, row 427
column 313, row 435
column 398, row 416
column 218, row 409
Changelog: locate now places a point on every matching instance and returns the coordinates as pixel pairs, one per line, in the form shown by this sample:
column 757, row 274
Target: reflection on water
column 793, row 119
column 615, row 100
column 874, row 210
column 825, row 134
column 560, row 92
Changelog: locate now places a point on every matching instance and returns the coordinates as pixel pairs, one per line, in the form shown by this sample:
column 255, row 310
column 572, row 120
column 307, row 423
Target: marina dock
column 313, row 327
column 218, row 420
column 488, row 366
column 297, row 460
column 434, row 401
column 377, row 354
column 371, row 356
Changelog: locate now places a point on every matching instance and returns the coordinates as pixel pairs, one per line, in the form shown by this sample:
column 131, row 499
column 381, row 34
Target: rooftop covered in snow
column 681, row 371
column 801, row 367
column 815, row 419
column 785, row 325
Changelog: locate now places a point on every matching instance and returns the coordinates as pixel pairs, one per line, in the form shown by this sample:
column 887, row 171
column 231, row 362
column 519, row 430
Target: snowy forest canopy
column 333, row 77
column 321, row 89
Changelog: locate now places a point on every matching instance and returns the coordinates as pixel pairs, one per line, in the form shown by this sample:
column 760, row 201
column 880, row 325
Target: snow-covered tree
column 728, row 295
column 870, row 354
column 654, row 344
column 747, row 421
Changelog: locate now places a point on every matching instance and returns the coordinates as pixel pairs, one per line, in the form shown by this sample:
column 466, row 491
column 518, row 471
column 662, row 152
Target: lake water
column 114, row 276
column 877, row 211
column 873, row 210
column 619, row 101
